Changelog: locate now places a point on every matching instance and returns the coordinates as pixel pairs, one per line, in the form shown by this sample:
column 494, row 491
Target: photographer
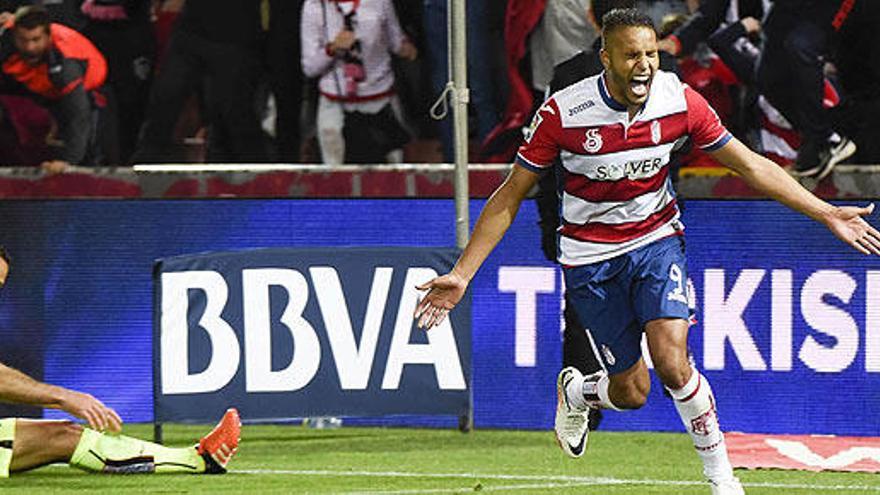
column 348, row 45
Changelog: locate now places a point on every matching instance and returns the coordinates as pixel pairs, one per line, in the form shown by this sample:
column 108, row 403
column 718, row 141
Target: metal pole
column 158, row 436
column 460, row 97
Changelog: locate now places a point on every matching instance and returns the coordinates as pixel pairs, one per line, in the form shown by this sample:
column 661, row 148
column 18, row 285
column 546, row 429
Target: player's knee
column 675, row 374
column 63, row 434
column 45, row 441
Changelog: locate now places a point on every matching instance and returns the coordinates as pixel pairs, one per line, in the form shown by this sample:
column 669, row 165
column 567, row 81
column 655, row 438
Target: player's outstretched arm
column 845, row 222
column 445, row 291
column 17, row 387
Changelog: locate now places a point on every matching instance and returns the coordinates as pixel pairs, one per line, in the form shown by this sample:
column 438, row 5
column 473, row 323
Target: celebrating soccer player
column 26, row 444
column 621, row 242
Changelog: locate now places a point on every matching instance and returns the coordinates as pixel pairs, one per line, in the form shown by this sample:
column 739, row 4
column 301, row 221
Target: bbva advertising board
column 285, row 333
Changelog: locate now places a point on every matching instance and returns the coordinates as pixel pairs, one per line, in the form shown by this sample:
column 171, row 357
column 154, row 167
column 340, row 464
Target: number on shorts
column 677, row 294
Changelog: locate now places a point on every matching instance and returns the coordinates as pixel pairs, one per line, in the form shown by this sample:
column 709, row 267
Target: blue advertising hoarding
column 282, row 333
column 788, row 326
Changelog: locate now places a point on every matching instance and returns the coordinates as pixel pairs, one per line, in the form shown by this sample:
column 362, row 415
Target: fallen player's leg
column 28, row 444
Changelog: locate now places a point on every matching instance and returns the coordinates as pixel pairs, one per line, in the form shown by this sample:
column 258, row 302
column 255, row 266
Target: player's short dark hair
column 618, row 18
column 602, row 7
column 32, row 16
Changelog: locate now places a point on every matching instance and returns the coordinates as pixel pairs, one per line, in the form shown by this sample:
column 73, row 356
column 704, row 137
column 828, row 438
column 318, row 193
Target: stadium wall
column 788, row 325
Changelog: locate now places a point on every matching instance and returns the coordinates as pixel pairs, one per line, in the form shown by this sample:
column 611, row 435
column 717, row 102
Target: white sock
column 696, row 406
column 590, row 391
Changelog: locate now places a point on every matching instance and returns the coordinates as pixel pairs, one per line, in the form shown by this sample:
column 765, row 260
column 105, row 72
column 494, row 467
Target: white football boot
column 571, row 425
column 728, row 487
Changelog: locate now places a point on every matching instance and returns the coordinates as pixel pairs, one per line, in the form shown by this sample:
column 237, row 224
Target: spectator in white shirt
column 348, row 44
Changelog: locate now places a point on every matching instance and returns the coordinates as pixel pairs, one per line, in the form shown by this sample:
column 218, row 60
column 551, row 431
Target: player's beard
column 633, row 96
column 639, row 86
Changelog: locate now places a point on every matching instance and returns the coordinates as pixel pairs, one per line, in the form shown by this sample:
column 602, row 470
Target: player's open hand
column 96, row 414
column 444, row 292
column 848, row 225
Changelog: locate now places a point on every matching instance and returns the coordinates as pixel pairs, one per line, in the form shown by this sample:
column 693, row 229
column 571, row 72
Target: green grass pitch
column 348, row 460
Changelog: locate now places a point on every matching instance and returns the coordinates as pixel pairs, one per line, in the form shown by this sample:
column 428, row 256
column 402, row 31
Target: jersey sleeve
column 541, row 145
column 704, row 126
column 314, row 57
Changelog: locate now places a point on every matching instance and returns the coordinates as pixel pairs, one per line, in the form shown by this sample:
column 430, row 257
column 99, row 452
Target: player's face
column 631, row 59
column 32, row 44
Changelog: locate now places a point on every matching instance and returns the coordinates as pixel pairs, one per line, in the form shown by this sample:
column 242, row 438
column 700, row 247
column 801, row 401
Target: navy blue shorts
column 614, row 299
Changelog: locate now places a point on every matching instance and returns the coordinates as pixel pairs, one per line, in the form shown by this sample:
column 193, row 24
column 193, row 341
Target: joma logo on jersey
column 634, row 169
column 580, row 108
column 593, row 142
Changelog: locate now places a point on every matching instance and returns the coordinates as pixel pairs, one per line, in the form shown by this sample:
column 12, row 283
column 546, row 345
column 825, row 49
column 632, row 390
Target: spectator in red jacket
column 62, row 70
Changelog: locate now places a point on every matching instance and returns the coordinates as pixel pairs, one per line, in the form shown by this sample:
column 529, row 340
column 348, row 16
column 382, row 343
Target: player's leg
column 600, row 297
column 120, row 454
column 578, row 395
column 578, row 353
column 33, row 443
column 694, row 400
column 662, row 304
column 27, row 444
column 620, row 391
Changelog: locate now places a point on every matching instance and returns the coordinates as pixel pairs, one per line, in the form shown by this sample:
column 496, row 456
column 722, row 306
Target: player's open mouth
column 639, row 85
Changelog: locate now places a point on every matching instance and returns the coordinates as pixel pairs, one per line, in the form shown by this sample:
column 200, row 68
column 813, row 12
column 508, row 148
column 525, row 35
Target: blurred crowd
column 116, row 82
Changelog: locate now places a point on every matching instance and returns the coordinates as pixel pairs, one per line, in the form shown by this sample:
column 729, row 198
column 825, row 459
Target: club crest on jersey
column 593, row 142
column 655, row 132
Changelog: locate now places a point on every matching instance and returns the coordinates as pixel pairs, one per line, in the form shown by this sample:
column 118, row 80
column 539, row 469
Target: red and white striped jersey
column 616, row 194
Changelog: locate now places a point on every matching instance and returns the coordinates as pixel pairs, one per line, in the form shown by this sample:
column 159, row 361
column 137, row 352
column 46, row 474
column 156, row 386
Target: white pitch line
column 471, row 489
column 574, row 480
